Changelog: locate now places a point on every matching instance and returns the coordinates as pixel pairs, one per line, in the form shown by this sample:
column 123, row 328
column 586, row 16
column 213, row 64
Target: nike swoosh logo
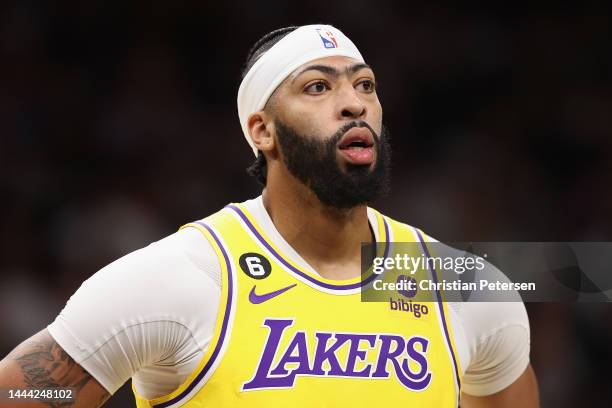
column 257, row 299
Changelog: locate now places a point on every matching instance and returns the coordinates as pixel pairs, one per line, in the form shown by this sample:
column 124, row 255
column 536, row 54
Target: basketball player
column 258, row 304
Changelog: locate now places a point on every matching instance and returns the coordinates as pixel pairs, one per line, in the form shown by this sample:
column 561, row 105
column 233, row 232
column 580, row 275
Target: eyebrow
column 326, row 69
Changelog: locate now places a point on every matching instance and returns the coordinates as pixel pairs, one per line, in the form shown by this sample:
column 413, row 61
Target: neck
column 329, row 239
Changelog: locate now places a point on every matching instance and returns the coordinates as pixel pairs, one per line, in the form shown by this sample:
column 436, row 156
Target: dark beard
column 314, row 162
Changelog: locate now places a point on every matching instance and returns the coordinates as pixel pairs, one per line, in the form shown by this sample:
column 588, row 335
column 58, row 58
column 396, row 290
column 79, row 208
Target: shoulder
column 128, row 314
column 173, row 280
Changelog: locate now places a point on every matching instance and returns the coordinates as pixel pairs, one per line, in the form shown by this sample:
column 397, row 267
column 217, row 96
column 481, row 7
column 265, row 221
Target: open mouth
column 357, row 146
column 356, row 138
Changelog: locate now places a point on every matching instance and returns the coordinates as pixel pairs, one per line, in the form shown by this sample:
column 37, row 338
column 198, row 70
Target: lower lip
column 359, row 156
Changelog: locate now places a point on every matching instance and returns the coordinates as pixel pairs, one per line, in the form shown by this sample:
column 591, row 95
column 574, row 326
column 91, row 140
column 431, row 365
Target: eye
column 367, row 86
column 317, row 87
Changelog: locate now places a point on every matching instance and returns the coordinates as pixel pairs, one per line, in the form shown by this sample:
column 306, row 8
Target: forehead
column 339, row 63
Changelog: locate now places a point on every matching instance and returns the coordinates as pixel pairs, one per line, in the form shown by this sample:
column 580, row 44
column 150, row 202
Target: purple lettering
column 420, row 380
column 416, row 356
column 261, row 379
column 386, row 354
column 356, row 354
column 295, row 360
column 329, row 354
column 297, row 344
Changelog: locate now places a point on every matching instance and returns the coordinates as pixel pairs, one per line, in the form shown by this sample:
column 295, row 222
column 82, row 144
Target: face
column 328, row 123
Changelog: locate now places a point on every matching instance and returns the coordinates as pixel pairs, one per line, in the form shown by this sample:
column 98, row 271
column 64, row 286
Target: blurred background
column 118, row 124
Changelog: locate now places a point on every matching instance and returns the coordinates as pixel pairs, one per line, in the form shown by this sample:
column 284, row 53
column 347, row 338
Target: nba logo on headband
column 329, row 41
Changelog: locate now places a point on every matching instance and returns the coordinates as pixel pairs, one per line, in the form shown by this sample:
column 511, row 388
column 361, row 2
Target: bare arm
column 39, row 362
column 521, row 393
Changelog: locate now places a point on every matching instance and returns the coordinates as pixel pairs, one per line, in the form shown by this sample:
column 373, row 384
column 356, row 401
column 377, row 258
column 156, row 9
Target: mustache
column 357, row 123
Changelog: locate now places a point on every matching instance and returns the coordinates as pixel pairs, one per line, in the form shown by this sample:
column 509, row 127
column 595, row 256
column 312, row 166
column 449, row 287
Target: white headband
column 300, row 46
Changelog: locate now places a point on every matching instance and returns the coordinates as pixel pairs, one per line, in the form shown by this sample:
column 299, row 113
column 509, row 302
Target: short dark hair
column 259, row 168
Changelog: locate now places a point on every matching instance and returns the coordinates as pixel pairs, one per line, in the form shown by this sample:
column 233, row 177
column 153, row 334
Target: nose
column 350, row 104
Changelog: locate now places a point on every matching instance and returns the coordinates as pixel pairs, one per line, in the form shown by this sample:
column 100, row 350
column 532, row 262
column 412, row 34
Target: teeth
column 356, row 147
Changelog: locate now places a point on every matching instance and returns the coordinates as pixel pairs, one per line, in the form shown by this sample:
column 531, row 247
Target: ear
column 261, row 129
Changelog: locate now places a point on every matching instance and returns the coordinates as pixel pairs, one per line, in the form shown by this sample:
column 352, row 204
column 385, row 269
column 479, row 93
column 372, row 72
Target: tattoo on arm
column 44, row 364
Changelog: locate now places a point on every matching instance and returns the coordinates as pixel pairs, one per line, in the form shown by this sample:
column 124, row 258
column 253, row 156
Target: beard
column 315, row 163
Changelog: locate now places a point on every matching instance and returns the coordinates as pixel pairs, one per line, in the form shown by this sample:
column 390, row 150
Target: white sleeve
column 497, row 337
column 149, row 315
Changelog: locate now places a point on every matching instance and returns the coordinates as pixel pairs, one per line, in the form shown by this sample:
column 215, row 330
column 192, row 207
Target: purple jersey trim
column 226, row 315
column 292, row 268
column 439, row 296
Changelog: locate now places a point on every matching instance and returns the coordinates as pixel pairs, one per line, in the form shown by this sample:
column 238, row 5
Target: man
column 259, row 303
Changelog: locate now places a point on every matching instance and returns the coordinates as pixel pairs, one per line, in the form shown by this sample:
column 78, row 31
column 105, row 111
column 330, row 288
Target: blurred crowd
column 118, row 123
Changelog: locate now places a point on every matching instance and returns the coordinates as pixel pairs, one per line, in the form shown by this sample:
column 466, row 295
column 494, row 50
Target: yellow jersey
column 287, row 337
